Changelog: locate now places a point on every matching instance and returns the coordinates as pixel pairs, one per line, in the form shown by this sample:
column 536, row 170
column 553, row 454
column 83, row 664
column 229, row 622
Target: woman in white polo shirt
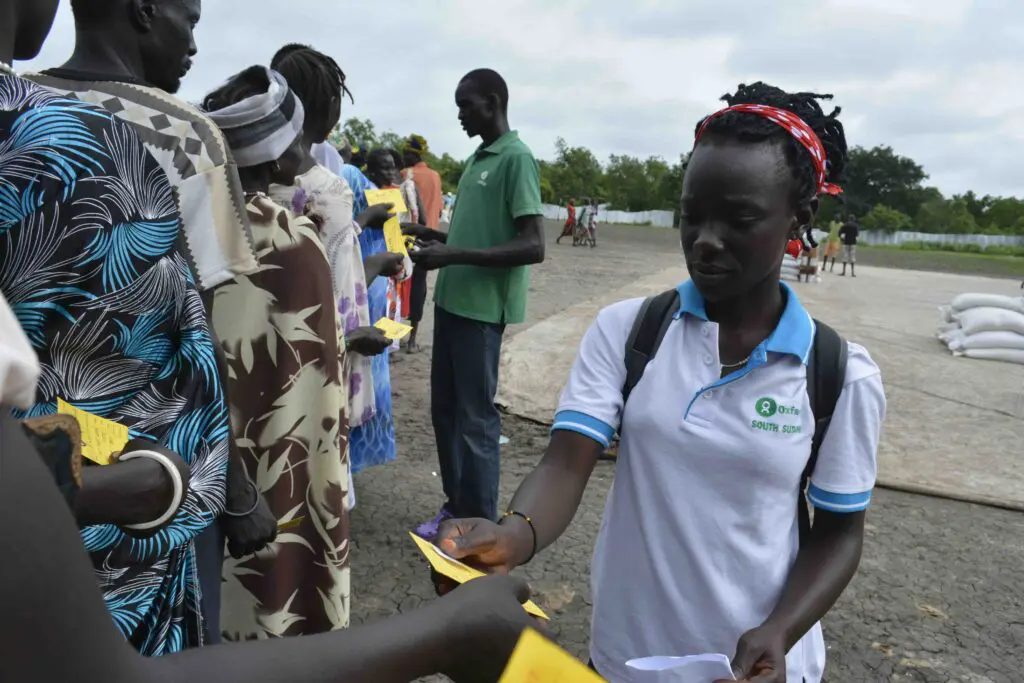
column 699, row 549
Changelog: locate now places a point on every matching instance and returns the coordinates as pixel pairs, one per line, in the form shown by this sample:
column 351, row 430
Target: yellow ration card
column 393, row 228
column 392, row 330
column 538, row 660
column 459, row 572
column 101, row 438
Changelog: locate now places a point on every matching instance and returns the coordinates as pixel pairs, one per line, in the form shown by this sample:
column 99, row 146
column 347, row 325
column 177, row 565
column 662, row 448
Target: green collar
column 499, row 145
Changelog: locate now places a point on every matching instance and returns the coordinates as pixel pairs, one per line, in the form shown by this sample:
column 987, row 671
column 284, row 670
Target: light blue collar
column 793, row 335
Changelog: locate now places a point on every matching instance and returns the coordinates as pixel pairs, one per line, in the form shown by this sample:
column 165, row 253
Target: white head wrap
column 19, row 367
column 260, row 128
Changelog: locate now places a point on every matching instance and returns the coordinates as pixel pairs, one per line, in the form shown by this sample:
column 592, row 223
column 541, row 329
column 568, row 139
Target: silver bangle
column 255, row 503
column 179, row 488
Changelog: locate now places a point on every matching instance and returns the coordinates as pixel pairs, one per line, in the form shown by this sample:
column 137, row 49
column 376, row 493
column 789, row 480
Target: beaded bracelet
column 533, row 530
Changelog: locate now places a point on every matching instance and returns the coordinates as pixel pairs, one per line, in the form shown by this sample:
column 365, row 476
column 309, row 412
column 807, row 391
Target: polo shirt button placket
column 705, row 330
column 709, row 359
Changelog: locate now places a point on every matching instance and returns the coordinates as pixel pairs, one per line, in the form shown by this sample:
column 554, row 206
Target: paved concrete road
column 938, row 598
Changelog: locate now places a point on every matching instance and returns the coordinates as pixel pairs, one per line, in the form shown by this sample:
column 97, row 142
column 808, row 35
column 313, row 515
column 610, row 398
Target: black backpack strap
column 826, row 375
column 649, row 329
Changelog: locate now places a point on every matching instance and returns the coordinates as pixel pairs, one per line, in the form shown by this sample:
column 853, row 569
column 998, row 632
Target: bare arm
column 424, row 233
column 824, row 567
column 133, row 492
column 250, row 533
column 526, row 248
column 384, row 264
column 371, row 269
column 551, row 494
column 46, row 574
column 71, row 637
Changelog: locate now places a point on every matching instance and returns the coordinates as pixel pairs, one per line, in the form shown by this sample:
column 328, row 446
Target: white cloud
column 938, row 80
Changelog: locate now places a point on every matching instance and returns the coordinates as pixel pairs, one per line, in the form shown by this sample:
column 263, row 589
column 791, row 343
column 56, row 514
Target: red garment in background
column 428, row 185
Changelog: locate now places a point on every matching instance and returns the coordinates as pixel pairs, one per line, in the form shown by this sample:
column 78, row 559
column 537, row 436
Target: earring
column 277, row 167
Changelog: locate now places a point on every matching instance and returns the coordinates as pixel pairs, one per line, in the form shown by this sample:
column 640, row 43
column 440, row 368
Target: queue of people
column 209, row 279
column 581, row 227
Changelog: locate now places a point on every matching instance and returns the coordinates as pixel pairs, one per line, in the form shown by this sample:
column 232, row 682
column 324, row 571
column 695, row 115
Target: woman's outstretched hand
column 484, row 619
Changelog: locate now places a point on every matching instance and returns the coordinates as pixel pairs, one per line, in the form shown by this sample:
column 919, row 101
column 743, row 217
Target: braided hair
column 248, row 83
column 746, row 127
column 316, row 79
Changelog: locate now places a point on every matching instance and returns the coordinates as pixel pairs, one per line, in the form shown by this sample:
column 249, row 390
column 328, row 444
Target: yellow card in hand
column 538, row 660
column 392, row 330
column 393, row 228
column 392, row 196
column 394, row 239
column 101, row 438
column 459, row 572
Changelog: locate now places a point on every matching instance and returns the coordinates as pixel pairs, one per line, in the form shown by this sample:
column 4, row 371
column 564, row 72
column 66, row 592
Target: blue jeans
column 467, row 425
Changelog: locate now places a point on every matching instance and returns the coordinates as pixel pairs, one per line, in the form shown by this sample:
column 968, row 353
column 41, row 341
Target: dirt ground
column 938, row 597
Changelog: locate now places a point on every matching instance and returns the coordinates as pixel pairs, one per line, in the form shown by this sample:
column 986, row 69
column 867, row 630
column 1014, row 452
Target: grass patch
column 966, row 248
column 988, row 263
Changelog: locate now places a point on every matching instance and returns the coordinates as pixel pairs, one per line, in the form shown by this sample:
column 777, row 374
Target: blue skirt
column 373, row 443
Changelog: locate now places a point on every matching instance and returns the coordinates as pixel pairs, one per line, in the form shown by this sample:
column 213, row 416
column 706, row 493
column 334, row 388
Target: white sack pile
column 985, row 326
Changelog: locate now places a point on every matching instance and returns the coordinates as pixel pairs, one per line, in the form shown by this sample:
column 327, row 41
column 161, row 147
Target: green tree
column 978, row 206
column 882, row 187
column 1003, row 213
column 881, row 217
column 391, row 140
column 1018, row 228
column 360, row 132
column 880, row 176
column 449, row 168
column 576, row 173
column 626, row 183
column 945, row 216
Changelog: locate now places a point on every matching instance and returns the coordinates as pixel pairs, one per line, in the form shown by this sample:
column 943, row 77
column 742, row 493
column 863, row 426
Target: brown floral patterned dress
column 279, row 329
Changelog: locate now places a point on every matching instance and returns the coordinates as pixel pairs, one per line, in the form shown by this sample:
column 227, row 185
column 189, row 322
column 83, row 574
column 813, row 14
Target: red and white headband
column 796, row 127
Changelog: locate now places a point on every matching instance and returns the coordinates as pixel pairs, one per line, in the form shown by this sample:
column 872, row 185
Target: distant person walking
column 831, row 246
column 580, row 229
column 592, row 224
column 496, row 233
column 570, row 221
column 848, row 235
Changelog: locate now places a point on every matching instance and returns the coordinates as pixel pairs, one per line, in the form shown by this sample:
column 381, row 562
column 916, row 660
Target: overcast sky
column 941, row 81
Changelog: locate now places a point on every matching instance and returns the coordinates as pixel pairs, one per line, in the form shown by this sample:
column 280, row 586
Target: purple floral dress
column 328, row 199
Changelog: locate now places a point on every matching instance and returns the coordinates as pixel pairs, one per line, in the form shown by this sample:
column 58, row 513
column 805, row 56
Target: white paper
column 693, row 669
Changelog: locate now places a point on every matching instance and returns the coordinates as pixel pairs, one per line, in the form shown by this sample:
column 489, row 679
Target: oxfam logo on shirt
column 766, row 407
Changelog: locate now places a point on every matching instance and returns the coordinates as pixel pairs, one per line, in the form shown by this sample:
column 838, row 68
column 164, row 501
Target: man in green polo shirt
column 496, row 233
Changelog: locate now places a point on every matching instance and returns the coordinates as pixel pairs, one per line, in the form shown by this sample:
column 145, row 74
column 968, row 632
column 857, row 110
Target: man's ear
column 142, row 14
column 495, row 103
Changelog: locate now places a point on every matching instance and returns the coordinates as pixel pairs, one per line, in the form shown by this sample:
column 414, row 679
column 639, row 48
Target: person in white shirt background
column 700, row 548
